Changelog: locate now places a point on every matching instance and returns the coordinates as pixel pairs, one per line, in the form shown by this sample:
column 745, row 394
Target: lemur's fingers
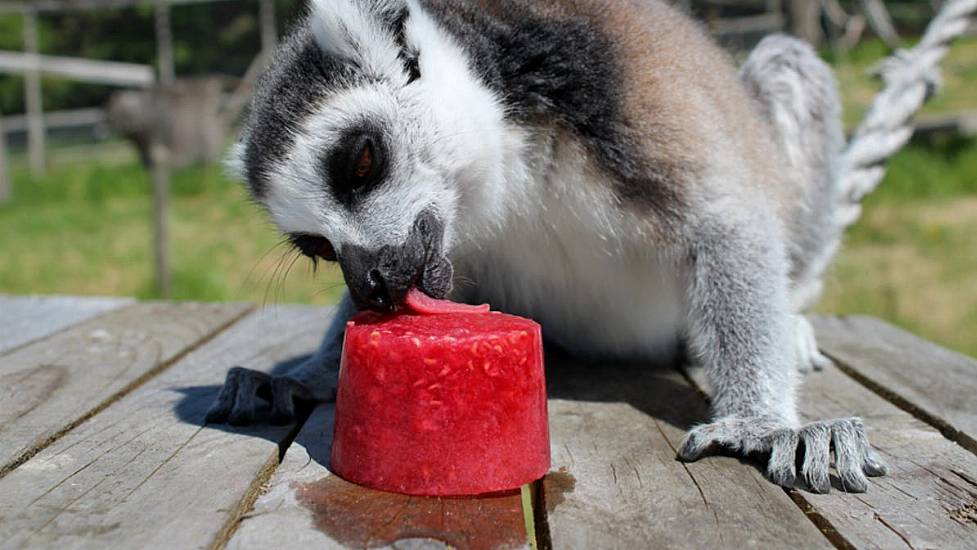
column 872, row 465
column 233, row 397
column 781, row 467
column 697, row 442
column 850, row 446
column 284, row 392
column 854, row 457
column 817, row 457
column 249, row 383
column 218, row 412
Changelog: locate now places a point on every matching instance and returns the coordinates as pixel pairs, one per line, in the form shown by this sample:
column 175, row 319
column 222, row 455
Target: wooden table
column 103, row 444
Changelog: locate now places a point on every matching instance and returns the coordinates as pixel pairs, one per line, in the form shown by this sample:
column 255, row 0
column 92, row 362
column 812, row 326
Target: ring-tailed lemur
column 595, row 165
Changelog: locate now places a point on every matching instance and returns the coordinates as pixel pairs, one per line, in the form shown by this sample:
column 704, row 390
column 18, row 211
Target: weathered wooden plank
column 67, row 118
column 85, row 70
column 24, row 319
column 147, row 472
column 52, row 385
column 929, row 498
column 929, row 381
column 164, row 43
column 617, row 484
column 308, row 507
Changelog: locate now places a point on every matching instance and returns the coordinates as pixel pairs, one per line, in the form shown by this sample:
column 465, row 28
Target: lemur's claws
column 853, row 456
column 874, row 467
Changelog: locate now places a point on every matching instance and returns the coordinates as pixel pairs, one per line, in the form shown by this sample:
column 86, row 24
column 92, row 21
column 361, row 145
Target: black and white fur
column 597, row 166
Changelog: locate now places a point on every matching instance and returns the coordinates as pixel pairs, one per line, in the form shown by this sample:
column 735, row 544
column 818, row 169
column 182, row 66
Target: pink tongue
column 419, row 302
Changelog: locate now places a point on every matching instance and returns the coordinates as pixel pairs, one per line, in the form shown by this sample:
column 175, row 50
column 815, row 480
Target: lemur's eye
column 364, row 161
column 313, row 246
column 356, row 163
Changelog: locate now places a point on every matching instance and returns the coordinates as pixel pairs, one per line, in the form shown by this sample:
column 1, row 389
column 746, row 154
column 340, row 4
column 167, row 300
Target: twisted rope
column 911, row 77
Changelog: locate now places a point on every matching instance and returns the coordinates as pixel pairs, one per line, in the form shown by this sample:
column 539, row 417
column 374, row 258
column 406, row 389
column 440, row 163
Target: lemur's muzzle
column 379, row 279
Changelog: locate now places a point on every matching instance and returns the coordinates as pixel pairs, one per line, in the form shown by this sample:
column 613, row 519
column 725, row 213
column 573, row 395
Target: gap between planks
column 888, row 360
column 947, row 430
column 129, row 388
column 258, row 487
column 822, row 523
column 540, row 518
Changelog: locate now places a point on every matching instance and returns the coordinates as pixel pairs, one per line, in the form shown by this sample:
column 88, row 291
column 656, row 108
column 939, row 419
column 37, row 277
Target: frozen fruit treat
column 441, row 399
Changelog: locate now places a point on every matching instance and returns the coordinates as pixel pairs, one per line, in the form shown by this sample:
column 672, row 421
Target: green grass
column 84, row 228
column 912, row 258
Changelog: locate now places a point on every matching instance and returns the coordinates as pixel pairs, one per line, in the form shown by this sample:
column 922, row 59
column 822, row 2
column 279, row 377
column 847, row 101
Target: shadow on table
column 658, row 391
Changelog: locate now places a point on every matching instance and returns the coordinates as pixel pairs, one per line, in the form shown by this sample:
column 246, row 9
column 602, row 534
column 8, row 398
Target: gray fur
column 596, row 166
column 284, row 95
column 797, row 94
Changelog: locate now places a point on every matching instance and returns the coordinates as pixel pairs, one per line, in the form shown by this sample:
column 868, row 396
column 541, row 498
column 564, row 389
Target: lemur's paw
column 781, row 445
column 236, row 403
column 808, row 356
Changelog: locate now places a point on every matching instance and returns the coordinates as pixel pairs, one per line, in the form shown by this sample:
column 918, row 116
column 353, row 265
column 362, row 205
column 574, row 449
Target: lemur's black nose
column 377, row 295
column 379, row 279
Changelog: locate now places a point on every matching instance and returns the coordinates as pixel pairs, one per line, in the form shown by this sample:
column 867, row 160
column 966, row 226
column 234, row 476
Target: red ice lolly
column 450, row 400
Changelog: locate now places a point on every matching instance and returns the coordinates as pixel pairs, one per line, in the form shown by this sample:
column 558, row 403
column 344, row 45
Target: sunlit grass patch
column 85, row 228
column 914, row 264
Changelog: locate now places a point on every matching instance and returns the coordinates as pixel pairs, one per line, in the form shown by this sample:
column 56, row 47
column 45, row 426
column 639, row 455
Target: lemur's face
column 371, row 142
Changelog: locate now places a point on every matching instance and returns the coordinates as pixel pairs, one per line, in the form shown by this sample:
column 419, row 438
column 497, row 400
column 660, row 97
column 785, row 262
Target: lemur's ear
column 358, row 30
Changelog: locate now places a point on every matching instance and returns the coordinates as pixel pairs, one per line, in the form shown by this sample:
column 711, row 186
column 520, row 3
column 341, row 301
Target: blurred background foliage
column 84, row 227
column 220, row 38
